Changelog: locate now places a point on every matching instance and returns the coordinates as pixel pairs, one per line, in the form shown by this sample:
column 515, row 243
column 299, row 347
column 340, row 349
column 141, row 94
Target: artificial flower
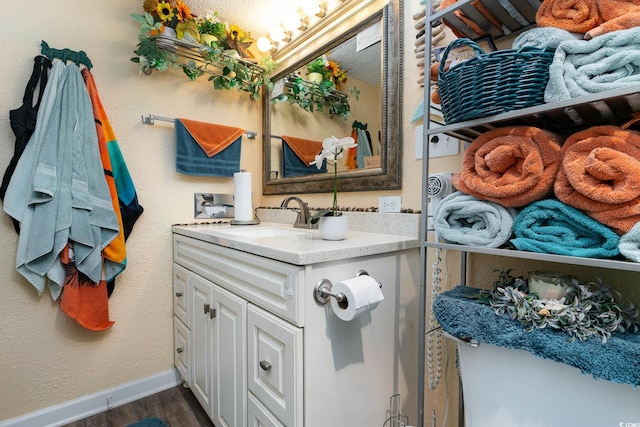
column 184, row 12
column 165, row 11
column 332, row 149
column 150, row 6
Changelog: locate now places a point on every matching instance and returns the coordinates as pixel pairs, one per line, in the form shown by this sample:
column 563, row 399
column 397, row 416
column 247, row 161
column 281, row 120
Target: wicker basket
column 492, row 83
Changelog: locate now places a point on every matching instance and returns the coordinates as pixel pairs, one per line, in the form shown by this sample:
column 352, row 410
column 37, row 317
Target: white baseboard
column 92, row 404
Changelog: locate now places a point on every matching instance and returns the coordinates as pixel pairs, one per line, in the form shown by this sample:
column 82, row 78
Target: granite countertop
column 283, row 242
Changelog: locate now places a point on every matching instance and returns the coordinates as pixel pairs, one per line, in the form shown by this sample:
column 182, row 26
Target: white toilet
column 513, row 388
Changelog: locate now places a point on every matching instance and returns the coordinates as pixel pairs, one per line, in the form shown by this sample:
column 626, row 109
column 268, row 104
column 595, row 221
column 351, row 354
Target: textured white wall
column 46, row 358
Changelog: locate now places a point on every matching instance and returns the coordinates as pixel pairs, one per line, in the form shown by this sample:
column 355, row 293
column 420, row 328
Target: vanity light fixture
column 314, row 8
column 277, row 34
column 293, row 22
column 264, row 45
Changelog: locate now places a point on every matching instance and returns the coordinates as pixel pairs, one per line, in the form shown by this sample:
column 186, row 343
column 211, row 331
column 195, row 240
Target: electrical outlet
column 389, row 204
column 440, row 144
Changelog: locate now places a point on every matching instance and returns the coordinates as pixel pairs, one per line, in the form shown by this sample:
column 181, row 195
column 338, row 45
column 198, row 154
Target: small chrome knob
column 266, row 366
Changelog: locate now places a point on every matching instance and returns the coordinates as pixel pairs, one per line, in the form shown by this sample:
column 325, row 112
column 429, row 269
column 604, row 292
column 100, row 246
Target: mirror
column 363, row 38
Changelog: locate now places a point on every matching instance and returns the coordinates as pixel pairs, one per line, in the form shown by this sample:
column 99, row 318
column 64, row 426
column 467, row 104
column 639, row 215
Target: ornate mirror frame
column 343, row 23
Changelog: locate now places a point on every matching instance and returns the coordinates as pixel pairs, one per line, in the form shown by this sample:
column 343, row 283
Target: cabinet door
column 201, row 351
column 180, row 294
column 275, row 365
column 229, row 335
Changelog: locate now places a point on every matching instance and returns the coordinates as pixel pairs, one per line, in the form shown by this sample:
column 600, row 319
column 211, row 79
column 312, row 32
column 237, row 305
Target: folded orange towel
column 305, row 149
column 576, row 16
column 614, row 22
column 511, row 166
column 211, row 137
column 600, row 175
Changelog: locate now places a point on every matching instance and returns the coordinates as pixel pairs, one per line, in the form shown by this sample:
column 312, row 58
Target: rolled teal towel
column 463, row 219
column 630, row 243
column 550, row 226
column 617, row 360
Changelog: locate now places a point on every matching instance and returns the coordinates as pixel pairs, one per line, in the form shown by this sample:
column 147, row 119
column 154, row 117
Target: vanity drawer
column 258, row 415
column 181, row 348
column 271, row 284
column 180, row 297
column 274, row 373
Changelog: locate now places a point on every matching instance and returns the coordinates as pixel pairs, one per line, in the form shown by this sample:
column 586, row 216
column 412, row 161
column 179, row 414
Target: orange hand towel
column 576, row 16
column 600, row 175
column 511, row 166
column 305, row 149
column 82, row 300
column 211, row 137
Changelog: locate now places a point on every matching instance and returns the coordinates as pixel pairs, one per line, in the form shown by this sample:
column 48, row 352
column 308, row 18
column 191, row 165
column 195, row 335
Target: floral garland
column 221, row 43
column 330, row 70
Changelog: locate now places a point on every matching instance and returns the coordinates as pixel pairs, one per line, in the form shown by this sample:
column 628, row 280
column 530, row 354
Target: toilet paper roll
column 242, row 206
column 362, row 294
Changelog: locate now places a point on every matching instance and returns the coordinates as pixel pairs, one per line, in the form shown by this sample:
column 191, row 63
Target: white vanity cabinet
column 261, row 352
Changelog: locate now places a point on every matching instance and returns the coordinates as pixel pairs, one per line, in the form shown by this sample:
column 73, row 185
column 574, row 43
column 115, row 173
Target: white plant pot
column 169, row 32
column 334, row 227
column 315, row 78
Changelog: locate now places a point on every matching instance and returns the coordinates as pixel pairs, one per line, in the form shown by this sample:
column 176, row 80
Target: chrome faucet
column 304, row 217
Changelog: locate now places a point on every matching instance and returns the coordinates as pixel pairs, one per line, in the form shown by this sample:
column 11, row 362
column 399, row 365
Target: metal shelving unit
column 566, row 117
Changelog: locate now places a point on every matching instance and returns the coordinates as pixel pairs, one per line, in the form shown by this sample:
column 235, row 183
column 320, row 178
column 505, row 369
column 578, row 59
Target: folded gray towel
column 584, row 67
column 544, row 38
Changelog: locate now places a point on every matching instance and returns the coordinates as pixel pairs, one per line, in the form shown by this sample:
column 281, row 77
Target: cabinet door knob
column 212, row 313
column 179, row 349
column 206, row 308
column 178, row 294
column 265, row 365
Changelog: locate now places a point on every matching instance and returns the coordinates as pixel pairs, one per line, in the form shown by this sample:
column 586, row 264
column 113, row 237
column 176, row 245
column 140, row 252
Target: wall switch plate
column 440, row 144
column 389, row 204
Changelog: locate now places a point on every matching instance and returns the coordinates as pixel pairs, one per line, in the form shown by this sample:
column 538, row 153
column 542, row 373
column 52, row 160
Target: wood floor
column 176, row 406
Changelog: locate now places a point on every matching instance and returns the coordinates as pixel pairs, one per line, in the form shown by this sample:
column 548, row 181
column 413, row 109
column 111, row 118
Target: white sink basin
column 251, row 232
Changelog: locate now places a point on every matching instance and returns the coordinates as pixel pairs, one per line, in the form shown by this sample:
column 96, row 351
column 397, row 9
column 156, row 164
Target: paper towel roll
column 362, row 295
column 242, row 206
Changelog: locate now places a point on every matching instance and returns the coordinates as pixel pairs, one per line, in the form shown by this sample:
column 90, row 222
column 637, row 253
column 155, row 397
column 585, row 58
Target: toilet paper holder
column 322, row 291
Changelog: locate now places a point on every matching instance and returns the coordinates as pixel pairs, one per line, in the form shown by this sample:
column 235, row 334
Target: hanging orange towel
column 115, row 254
column 211, row 137
column 83, row 300
column 305, row 149
column 351, row 161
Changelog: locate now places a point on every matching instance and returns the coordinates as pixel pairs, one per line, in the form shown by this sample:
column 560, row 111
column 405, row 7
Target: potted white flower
column 333, row 225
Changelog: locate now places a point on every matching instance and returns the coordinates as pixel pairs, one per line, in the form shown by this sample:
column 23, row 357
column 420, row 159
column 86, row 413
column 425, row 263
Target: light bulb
column 277, row 34
column 292, row 21
column 264, row 44
column 313, row 7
